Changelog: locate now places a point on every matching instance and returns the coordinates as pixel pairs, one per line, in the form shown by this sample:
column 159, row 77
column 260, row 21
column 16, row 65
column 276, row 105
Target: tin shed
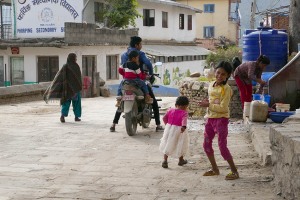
column 284, row 86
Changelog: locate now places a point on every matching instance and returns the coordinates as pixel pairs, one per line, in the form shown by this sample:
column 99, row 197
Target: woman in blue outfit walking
column 67, row 85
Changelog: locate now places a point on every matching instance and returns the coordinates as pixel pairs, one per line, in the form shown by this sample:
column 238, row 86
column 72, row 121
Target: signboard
column 15, row 50
column 45, row 18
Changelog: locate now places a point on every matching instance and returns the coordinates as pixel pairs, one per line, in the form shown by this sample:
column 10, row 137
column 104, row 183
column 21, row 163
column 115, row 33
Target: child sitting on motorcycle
column 132, row 72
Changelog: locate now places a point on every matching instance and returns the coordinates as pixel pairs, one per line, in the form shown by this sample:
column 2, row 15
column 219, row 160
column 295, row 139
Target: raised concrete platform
column 22, row 93
column 279, row 145
column 259, row 133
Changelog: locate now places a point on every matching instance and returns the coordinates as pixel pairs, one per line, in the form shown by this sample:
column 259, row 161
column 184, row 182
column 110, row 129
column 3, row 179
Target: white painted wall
column 193, row 66
column 172, row 32
column 88, row 11
column 30, row 57
column 44, row 19
column 30, row 61
column 157, row 32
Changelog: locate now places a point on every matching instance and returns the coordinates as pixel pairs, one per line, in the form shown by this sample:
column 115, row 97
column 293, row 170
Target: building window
column 164, row 19
column 149, row 17
column 17, row 70
column 209, row 8
column 112, row 67
column 171, row 59
column 208, row 31
column 47, row 68
column 181, row 21
column 179, row 58
column 190, row 22
column 89, row 65
column 99, row 9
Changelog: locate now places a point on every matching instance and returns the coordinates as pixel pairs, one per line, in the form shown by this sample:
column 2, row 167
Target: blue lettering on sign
column 62, row 29
column 23, row 10
column 63, row 3
column 24, row 30
column 69, row 8
column 47, row 30
column 37, row 2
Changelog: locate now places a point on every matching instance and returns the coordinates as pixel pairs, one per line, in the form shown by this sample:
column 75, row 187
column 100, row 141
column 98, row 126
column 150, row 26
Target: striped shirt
column 130, row 70
column 248, row 71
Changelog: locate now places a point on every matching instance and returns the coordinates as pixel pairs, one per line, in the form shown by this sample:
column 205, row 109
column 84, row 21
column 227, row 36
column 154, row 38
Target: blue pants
column 141, row 84
column 119, row 93
column 76, row 103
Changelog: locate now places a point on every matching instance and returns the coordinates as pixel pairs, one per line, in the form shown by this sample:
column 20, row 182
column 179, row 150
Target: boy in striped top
column 131, row 72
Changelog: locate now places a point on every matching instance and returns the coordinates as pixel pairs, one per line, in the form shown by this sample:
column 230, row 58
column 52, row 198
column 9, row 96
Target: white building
column 40, row 44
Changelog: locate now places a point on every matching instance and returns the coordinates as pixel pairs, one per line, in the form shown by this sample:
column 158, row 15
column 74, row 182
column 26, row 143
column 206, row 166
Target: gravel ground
column 42, row 158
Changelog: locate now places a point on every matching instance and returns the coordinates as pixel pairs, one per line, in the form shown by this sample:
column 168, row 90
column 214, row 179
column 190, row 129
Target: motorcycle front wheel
column 131, row 120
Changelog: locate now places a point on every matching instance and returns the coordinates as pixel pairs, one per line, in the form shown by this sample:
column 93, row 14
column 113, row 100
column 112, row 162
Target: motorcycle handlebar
column 157, row 75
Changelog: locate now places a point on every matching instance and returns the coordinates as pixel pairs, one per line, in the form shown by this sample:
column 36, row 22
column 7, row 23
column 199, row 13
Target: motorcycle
column 134, row 106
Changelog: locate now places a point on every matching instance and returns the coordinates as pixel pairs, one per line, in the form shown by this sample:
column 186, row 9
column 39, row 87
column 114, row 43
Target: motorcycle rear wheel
column 131, row 120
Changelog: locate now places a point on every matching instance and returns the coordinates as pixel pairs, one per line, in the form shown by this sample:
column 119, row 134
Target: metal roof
column 172, row 50
column 5, row 2
column 289, row 64
column 168, row 2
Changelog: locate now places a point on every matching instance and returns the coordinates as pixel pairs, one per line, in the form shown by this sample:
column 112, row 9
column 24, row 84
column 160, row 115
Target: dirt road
column 42, row 158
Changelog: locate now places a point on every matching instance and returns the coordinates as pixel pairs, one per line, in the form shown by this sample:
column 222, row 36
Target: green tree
column 121, row 13
column 223, row 55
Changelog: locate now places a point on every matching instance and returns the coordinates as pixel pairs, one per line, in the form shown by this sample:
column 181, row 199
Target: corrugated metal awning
column 5, row 2
column 168, row 50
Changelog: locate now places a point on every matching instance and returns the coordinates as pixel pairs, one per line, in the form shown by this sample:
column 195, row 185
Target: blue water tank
column 270, row 42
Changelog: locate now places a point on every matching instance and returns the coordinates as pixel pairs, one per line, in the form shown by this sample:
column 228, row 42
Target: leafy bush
column 224, row 55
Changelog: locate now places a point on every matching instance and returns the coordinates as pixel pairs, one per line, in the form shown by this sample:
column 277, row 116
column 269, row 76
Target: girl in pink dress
column 175, row 140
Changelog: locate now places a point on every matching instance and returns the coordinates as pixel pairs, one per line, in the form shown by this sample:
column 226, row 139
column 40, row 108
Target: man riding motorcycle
column 136, row 45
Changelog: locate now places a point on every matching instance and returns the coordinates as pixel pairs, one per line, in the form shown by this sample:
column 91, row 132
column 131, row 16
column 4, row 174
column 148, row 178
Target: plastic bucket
column 266, row 76
column 256, row 97
column 267, row 99
column 282, row 107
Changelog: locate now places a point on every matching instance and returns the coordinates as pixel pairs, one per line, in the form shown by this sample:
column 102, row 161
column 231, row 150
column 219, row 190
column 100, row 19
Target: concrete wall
column 196, row 91
column 22, row 93
column 284, row 86
column 81, row 33
column 285, row 146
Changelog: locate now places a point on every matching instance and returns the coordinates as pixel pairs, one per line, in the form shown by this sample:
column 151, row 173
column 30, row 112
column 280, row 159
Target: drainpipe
column 84, row 7
column 15, row 18
column 2, row 33
column 5, row 81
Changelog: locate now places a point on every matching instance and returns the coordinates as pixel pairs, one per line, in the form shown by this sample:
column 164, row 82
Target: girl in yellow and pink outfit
column 219, row 93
